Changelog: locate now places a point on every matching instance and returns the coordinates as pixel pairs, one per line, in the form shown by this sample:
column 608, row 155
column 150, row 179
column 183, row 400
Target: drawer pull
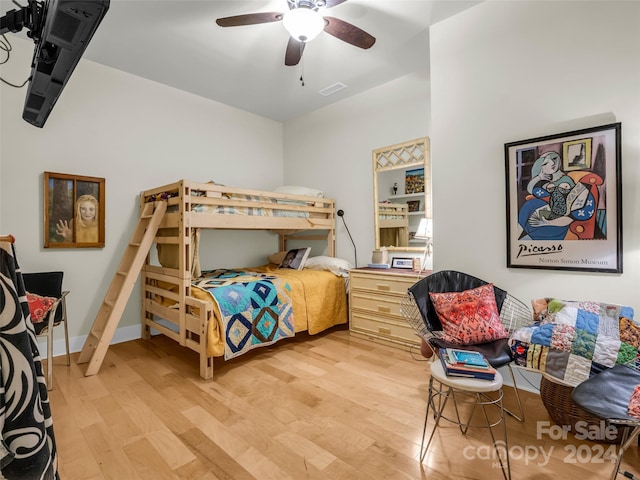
column 384, row 309
column 386, row 331
column 384, row 286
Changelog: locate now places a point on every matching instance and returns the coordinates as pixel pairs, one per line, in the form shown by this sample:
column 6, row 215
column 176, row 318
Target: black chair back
column 441, row 282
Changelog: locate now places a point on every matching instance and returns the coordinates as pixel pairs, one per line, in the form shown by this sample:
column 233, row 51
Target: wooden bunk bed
column 393, row 222
column 175, row 306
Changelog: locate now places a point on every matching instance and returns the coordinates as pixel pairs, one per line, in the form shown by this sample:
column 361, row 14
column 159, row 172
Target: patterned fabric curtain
column 27, row 443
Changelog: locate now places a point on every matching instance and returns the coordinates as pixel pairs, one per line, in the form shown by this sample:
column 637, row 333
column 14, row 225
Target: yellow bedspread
column 318, row 298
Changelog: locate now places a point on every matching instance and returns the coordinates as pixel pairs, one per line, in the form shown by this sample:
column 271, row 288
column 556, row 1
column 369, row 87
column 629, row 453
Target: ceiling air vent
column 331, row 89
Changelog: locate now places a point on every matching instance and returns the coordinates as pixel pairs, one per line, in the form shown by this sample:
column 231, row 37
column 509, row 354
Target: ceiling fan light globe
column 303, row 24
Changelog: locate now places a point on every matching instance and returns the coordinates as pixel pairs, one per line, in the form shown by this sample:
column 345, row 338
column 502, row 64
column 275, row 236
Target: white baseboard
column 122, row 334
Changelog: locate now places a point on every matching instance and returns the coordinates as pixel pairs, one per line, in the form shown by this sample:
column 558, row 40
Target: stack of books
column 466, row 363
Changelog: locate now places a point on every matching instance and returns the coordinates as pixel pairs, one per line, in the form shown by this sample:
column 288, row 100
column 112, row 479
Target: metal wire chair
column 514, row 314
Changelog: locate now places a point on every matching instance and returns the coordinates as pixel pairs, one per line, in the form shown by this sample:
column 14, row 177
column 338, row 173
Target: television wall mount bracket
column 30, row 17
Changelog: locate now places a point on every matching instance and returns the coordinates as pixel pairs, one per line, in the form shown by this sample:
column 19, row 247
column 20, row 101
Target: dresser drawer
column 383, row 283
column 383, row 328
column 376, row 303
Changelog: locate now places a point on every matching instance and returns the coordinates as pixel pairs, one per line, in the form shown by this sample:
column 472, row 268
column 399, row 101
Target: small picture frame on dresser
column 402, row 262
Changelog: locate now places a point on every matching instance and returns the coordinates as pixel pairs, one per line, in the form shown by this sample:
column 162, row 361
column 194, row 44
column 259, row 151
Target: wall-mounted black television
column 61, row 31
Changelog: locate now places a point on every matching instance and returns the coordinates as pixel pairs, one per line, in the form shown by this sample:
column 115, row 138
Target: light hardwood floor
column 329, row 406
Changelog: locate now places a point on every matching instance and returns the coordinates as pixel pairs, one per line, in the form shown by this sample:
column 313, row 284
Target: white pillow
column 296, row 190
column 337, row 266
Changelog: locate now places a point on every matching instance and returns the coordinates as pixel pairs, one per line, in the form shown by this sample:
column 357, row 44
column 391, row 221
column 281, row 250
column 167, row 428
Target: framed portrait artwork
column 564, row 201
column 73, row 211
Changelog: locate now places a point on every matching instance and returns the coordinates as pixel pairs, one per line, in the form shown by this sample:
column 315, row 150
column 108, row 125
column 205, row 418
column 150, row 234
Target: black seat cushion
column 497, row 352
column 607, row 394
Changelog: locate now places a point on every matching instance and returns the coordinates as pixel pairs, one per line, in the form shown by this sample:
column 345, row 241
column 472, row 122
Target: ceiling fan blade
column 249, row 19
column 333, row 3
column 348, row 33
column 294, row 52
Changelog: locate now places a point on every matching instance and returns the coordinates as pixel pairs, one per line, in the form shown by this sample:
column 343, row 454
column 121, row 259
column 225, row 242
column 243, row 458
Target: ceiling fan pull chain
column 301, row 66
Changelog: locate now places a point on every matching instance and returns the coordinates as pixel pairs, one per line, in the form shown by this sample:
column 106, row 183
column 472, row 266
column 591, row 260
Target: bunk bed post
column 206, row 362
column 146, row 331
column 331, row 243
column 331, row 234
column 184, row 267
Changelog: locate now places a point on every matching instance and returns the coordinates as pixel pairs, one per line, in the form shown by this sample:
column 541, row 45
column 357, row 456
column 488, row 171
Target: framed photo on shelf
column 74, row 210
column 402, row 262
column 564, row 201
column 414, row 181
column 413, row 205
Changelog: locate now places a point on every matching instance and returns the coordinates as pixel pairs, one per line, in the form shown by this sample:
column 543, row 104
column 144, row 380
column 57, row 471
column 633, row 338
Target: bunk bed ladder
column 108, row 317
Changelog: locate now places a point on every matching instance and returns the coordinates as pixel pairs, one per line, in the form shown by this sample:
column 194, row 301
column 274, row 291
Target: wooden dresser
column 374, row 305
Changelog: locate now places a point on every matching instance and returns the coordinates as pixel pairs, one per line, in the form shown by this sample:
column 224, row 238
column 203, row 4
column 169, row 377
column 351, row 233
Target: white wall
column 137, row 135
column 506, row 71
column 550, row 67
column 330, row 149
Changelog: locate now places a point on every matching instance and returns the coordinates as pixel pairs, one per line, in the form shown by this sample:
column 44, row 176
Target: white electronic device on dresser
column 374, row 305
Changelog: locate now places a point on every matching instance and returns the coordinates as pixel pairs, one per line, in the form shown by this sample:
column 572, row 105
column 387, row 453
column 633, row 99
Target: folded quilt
column 574, row 340
column 255, row 308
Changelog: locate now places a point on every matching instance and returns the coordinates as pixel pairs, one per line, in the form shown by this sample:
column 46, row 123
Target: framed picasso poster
column 564, row 201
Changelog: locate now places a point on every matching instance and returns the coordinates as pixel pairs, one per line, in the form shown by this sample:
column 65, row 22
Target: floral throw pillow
column 469, row 317
column 39, row 306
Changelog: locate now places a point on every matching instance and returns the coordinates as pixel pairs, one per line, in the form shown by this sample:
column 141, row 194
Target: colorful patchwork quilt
column 571, row 341
column 255, row 308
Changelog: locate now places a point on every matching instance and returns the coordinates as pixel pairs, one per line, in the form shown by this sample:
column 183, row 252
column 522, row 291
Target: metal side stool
column 606, row 395
column 471, row 392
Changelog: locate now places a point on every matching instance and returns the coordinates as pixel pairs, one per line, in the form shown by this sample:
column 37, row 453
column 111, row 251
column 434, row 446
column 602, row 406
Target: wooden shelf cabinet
column 374, row 305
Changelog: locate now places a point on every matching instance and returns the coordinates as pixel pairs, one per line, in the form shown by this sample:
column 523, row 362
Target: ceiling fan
column 304, row 22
